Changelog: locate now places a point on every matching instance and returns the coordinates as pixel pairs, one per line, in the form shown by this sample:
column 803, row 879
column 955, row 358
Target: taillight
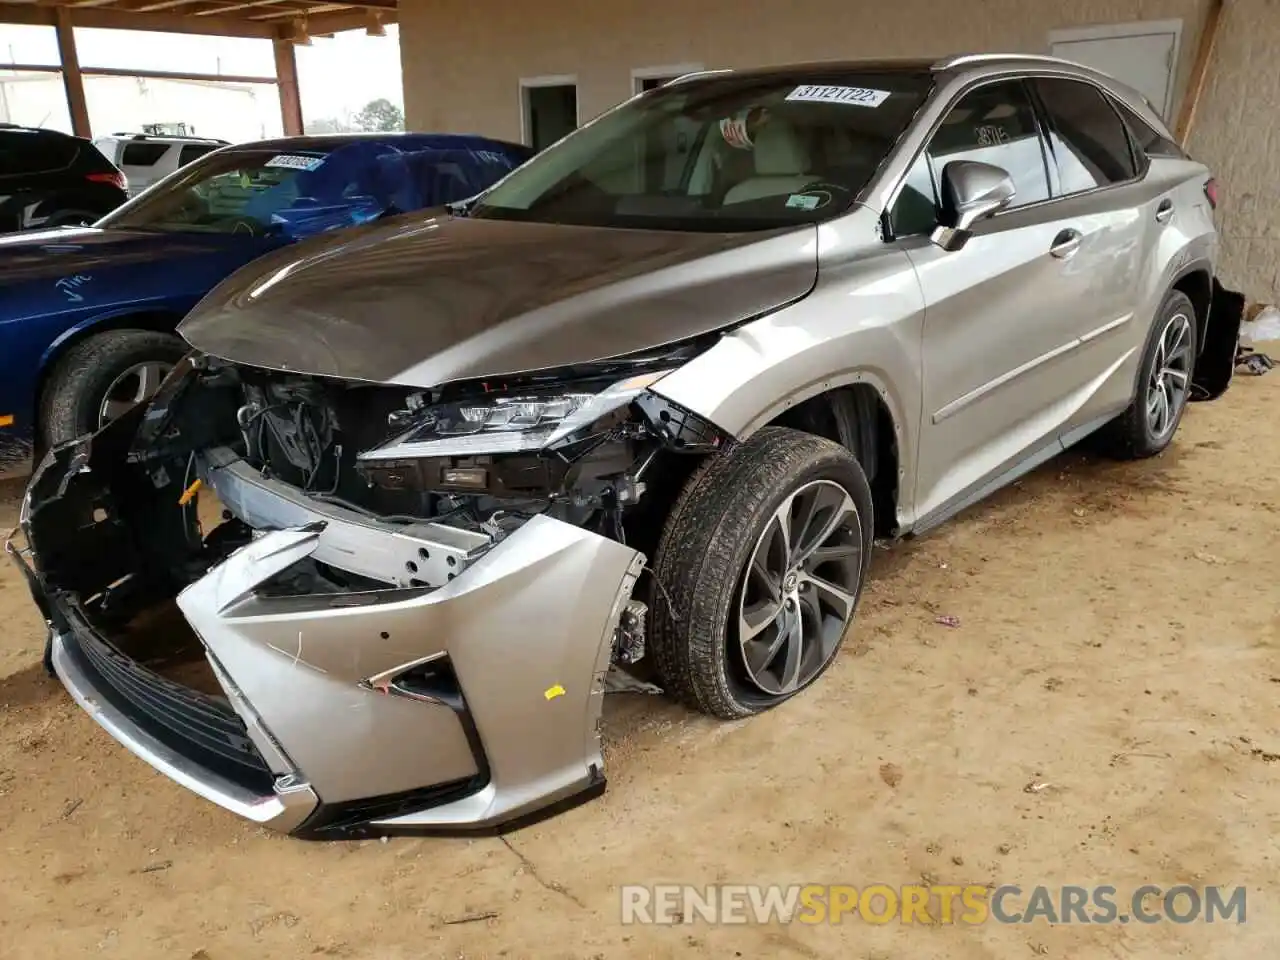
column 1211, row 191
column 115, row 178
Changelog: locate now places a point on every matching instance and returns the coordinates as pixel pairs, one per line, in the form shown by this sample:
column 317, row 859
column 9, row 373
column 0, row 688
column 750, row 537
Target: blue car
column 87, row 314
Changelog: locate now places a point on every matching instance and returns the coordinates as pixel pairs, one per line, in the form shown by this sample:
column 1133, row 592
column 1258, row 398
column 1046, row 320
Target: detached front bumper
column 465, row 705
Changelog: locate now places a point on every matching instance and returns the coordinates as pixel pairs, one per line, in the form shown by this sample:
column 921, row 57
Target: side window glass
column 916, row 209
column 194, row 151
column 995, row 124
column 1088, row 137
column 144, row 154
column 1149, row 140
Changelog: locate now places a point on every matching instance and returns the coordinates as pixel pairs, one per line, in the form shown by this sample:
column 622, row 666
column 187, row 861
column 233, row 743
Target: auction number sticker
column 291, row 161
column 856, row 96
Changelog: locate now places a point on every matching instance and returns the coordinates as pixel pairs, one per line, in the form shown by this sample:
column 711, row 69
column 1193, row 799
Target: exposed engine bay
column 583, row 448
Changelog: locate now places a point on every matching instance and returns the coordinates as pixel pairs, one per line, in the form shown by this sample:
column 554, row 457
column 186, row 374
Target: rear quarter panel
column 1187, row 243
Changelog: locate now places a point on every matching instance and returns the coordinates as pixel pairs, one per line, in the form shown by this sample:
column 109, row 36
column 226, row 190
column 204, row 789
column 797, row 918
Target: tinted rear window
column 194, row 151
column 143, row 154
column 1088, row 137
column 1149, row 140
column 23, row 153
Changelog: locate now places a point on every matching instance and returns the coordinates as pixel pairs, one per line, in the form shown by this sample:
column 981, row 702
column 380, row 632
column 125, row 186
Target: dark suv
column 51, row 179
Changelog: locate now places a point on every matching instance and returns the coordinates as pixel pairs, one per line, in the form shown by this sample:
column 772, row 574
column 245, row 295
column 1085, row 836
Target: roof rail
column 965, row 59
column 693, row 75
column 166, row 136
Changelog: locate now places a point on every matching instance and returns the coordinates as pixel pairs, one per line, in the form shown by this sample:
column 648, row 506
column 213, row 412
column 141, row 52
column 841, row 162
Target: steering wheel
column 246, row 225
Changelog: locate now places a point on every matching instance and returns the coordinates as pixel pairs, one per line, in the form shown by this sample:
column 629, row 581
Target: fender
column 104, row 320
column 824, row 342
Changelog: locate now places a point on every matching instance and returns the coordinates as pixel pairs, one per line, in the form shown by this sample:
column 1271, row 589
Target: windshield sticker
column 803, row 201
column 856, row 96
column 294, row 162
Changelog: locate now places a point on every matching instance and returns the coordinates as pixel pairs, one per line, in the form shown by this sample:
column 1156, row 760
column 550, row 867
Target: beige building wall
column 463, row 62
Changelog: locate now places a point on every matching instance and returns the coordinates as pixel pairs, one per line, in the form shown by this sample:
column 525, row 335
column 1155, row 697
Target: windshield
column 722, row 153
column 304, row 190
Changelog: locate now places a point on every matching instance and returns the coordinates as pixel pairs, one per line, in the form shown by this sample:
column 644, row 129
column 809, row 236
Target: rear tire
column 1148, row 425
column 124, row 364
column 715, row 561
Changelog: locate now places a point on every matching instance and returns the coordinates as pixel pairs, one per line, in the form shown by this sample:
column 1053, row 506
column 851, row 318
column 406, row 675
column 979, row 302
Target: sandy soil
column 1118, row 639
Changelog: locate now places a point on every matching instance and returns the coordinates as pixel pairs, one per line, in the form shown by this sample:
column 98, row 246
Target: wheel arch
column 859, row 414
column 1197, row 283
column 159, row 320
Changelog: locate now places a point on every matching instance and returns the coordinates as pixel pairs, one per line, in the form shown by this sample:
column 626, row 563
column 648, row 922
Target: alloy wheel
column 136, row 384
column 800, row 588
column 1170, row 382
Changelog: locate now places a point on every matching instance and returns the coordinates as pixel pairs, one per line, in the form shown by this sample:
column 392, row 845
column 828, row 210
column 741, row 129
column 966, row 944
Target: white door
column 1143, row 56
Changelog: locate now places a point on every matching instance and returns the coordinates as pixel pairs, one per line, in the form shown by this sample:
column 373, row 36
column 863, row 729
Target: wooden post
column 72, row 81
column 287, row 83
column 1199, row 73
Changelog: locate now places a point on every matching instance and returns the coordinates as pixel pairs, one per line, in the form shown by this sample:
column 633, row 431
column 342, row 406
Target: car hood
column 51, row 254
column 419, row 301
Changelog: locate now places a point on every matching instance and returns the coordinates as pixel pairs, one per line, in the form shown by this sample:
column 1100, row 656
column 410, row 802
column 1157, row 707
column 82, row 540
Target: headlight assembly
column 511, row 423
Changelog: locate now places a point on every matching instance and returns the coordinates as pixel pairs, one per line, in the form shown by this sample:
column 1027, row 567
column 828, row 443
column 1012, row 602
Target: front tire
column 102, row 377
column 762, row 559
column 1164, row 385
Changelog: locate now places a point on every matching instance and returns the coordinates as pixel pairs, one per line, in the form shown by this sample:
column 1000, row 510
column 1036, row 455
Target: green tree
column 379, row 115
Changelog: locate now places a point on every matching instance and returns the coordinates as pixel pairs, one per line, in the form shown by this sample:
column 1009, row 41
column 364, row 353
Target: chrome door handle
column 1066, row 244
column 1164, row 212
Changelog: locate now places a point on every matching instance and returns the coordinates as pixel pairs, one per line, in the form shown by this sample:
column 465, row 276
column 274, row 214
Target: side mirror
column 971, row 191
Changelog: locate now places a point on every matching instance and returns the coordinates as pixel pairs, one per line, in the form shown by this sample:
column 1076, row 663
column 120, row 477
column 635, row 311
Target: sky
column 337, row 76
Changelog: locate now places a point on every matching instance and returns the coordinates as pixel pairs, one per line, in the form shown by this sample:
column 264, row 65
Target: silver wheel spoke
column 821, row 555
column 758, row 616
column 115, row 408
column 136, row 385
column 760, row 654
column 1176, row 375
column 790, row 678
column 839, row 513
column 149, row 379
column 771, row 583
column 839, row 600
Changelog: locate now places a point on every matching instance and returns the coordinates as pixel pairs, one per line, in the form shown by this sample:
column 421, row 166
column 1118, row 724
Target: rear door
column 1104, row 200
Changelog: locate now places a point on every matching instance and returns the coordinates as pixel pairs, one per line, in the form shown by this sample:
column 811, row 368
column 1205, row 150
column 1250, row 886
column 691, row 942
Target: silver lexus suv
column 425, row 489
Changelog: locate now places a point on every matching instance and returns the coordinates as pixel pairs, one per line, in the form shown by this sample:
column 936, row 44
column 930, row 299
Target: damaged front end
column 408, row 600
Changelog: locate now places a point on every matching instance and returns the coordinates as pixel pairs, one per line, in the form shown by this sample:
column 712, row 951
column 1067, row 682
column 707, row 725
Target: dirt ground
column 1118, row 639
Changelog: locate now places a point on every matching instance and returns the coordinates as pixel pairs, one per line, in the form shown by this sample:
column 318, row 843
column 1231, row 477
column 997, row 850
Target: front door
column 1005, row 315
